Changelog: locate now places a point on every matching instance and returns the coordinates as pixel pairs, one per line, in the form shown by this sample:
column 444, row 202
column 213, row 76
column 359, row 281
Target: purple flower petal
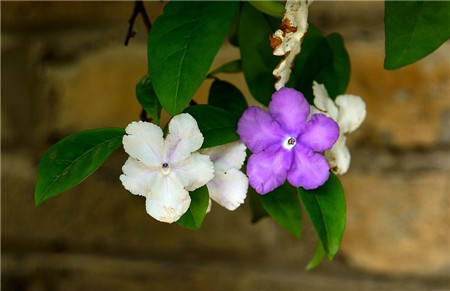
column 320, row 134
column 309, row 170
column 258, row 130
column 267, row 170
column 290, row 109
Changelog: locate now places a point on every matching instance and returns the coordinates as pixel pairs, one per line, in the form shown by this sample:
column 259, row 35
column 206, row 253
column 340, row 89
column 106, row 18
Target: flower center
column 289, row 143
column 165, row 169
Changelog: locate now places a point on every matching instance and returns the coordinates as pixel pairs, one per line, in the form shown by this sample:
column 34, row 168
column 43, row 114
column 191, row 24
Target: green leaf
column 217, row 125
column 273, row 8
column 182, row 45
column 326, row 209
column 258, row 210
column 323, row 59
column 256, row 52
column 230, row 67
column 147, row 98
column 319, row 254
column 336, row 76
column 193, row 218
column 414, row 29
column 233, row 31
column 225, row 95
column 283, row 205
column 73, row 159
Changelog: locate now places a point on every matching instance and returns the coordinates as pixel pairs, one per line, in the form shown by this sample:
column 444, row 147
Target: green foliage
column 273, row 8
column 258, row 210
column 193, row 217
column 414, row 29
column 181, row 48
column 283, row 205
column 256, row 53
column 217, row 125
column 182, row 45
column 319, row 254
column 233, row 31
column 225, row 95
column 230, row 67
column 323, row 59
column 73, row 159
column 147, row 98
column 326, row 209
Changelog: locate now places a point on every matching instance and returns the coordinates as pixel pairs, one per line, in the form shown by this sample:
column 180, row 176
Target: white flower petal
column 137, row 177
column 313, row 110
column 229, row 189
column 349, row 114
column 323, row 101
column 194, row 172
column 287, row 40
column 339, row 156
column 183, row 138
column 352, row 111
column 209, row 206
column 144, row 142
column 167, row 201
column 227, row 156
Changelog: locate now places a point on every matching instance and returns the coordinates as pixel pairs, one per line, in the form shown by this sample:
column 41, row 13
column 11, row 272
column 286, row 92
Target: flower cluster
column 291, row 141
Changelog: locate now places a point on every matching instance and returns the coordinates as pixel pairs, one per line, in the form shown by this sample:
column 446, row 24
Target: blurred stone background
column 65, row 69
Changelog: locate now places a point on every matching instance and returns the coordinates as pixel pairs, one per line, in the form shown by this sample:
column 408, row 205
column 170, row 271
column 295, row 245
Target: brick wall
column 65, row 69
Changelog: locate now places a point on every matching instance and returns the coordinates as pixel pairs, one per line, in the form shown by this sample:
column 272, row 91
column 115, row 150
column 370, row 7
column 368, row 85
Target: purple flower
column 285, row 144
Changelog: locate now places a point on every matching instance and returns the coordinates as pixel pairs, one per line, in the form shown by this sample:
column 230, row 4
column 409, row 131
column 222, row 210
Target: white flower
column 163, row 171
column 287, row 40
column 229, row 186
column 349, row 112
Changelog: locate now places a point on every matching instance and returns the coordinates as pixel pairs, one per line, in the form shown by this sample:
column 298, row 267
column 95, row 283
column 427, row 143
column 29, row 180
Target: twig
column 138, row 8
column 147, row 22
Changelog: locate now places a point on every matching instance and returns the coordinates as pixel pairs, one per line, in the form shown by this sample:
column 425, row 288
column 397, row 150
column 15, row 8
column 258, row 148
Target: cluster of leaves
column 182, row 45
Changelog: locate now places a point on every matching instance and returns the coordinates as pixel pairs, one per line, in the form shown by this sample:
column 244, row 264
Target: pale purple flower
column 285, row 145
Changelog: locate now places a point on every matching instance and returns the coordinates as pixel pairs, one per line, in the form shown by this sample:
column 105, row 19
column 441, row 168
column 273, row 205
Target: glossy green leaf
column 256, row 52
column 225, row 95
column 273, row 8
column 147, row 98
column 193, row 218
column 323, row 59
column 283, row 205
column 319, row 254
column 230, row 67
column 182, row 45
column 258, row 210
column 336, row 76
column 326, row 209
column 217, row 125
column 414, row 29
column 233, row 31
column 73, row 159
